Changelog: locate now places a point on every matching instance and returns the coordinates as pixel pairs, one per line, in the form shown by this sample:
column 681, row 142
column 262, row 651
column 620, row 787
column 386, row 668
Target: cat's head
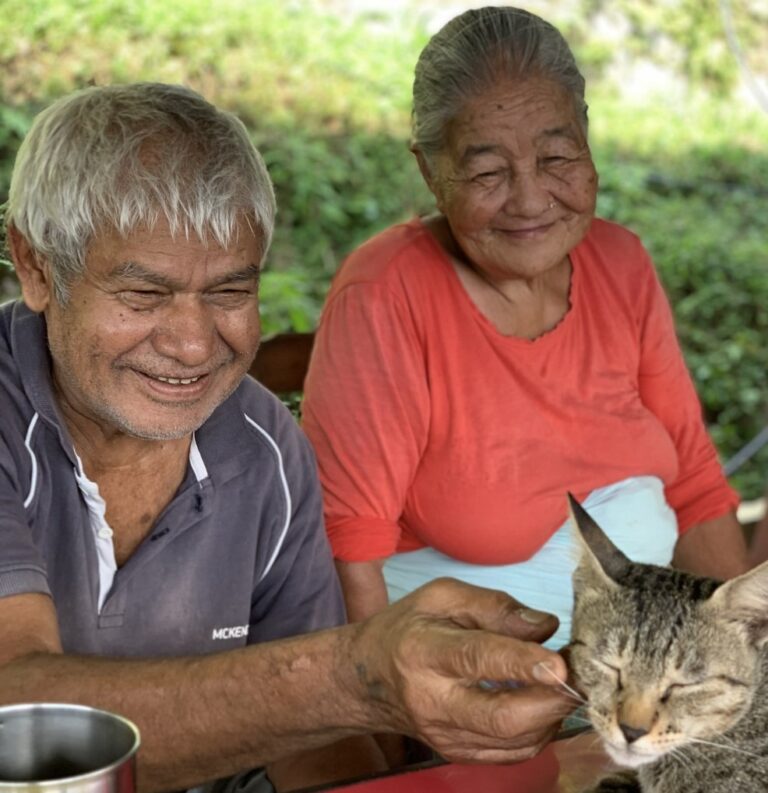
column 664, row 658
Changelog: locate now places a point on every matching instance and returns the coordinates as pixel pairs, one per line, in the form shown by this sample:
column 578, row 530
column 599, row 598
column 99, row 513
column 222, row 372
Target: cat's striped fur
column 675, row 671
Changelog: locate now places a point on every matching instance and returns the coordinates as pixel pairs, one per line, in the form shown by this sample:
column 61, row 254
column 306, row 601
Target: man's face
column 156, row 333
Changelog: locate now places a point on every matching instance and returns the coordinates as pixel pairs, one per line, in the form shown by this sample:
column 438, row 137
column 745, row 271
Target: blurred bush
column 327, row 96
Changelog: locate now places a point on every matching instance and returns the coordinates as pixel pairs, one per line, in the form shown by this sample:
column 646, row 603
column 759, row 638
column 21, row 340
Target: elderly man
column 160, row 517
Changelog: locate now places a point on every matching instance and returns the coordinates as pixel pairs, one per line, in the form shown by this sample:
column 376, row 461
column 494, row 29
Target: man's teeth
column 178, row 380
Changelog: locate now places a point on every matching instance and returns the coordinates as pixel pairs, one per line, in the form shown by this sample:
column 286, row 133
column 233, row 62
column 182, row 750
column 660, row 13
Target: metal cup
column 52, row 748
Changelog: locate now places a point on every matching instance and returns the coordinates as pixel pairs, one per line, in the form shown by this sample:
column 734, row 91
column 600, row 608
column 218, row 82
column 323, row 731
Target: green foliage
column 686, row 35
column 700, row 210
column 333, row 192
column 327, row 101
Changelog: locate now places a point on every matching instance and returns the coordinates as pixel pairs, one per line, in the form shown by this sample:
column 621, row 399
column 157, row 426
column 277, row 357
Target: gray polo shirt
column 239, row 556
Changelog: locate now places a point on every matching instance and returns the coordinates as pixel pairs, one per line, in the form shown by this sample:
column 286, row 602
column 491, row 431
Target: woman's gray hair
column 472, row 53
column 118, row 158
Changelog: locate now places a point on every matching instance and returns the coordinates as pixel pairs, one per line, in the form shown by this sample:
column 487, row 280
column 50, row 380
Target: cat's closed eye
column 612, row 670
column 702, row 685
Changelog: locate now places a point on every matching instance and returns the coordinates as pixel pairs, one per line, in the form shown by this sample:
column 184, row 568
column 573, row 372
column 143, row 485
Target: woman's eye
column 554, row 160
column 488, row 177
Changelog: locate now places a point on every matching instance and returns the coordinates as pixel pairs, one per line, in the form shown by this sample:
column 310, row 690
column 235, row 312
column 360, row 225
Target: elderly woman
column 472, row 366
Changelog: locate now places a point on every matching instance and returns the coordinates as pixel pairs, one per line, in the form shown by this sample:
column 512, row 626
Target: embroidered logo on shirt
column 235, row 632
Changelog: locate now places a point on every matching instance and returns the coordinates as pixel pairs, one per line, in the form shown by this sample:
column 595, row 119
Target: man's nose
column 187, row 332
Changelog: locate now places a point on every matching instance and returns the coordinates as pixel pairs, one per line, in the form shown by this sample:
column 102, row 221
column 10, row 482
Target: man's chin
column 158, row 425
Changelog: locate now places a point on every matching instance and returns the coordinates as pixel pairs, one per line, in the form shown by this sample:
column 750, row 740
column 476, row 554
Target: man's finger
column 519, row 721
column 489, row 609
column 499, row 658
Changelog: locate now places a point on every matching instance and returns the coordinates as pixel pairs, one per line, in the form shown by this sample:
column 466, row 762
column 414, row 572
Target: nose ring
column 552, row 204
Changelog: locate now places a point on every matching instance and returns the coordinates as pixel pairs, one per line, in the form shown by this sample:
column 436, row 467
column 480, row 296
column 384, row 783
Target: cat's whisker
column 728, row 740
column 568, row 689
column 680, row 755
column 727, row 748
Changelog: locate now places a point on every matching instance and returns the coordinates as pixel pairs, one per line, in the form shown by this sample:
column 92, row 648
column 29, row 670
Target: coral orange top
column 433, row 429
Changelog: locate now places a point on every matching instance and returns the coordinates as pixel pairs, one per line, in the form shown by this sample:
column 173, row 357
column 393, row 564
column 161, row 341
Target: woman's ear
column 429, row 177
column 32, row 271
column 426, row 172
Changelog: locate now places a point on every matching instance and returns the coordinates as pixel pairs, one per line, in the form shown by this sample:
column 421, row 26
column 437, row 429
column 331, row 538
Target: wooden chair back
column 282, row 361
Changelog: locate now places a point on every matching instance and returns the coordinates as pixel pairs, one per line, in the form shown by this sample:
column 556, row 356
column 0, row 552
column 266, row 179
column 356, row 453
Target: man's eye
column 232, row 297
column 141, row 298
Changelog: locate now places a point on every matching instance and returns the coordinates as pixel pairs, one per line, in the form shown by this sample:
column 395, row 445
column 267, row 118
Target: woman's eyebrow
column 477, row 150
column 565, row 131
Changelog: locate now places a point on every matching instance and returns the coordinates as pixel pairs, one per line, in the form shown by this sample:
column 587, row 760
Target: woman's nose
column 527, row 195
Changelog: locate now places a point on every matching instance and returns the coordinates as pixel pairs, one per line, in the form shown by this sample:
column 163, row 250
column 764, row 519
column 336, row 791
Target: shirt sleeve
column 366, row 411
column 22, row 569
column 300, row 591
column 700, row 491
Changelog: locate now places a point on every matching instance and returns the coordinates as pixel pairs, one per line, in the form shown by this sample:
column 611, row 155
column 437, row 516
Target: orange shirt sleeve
column 366, row 411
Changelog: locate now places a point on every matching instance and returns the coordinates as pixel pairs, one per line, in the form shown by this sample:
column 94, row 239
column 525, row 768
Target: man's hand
column 460, row 668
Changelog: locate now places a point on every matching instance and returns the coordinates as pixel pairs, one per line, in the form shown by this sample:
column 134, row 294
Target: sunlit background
column 678, row 96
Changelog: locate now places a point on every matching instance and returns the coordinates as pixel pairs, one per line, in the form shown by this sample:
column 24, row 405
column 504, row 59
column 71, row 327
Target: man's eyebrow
column 133, row 271
column 251, row 272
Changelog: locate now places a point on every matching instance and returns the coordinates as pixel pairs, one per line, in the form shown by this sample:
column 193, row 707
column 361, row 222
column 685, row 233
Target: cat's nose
column 632, row 733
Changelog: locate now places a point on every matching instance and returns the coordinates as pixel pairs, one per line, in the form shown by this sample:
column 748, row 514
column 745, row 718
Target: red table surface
column 570, row 765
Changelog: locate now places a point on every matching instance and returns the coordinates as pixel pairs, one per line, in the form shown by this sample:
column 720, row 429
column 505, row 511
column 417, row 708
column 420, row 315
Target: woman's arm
column 711, row 541
column 715, row 548
column 365, row 592
column 758, row 548
column 366, row 411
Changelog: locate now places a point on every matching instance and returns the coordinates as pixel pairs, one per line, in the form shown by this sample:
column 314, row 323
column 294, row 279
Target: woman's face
column 516, row 180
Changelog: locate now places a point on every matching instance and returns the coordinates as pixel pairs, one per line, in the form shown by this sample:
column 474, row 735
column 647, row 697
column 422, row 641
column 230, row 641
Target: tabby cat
column 674, row 669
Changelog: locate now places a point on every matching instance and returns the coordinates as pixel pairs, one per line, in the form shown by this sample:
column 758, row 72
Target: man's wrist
column 359, row 676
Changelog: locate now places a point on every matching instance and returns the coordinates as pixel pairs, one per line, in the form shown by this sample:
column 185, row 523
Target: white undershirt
column 102, row 531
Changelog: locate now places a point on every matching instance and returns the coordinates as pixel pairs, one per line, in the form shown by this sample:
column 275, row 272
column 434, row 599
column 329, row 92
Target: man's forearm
column 230, row 711
column 412, row 669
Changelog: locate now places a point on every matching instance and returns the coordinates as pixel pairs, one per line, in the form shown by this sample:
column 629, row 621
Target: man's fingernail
column 534, row 617
column 544, row 672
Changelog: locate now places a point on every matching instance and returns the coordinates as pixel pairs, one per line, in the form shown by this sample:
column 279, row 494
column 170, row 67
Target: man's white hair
column 119, row 158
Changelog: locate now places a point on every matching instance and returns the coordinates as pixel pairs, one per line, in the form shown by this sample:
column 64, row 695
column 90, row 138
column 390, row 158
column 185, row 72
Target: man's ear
column 32, row 271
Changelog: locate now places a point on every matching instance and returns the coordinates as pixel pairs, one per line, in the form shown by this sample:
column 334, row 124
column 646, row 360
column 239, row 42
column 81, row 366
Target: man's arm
column 411, row 669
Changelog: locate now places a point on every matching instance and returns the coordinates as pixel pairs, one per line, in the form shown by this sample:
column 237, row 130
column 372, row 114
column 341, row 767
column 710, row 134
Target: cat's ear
column 610, row 560
column 745, row 599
